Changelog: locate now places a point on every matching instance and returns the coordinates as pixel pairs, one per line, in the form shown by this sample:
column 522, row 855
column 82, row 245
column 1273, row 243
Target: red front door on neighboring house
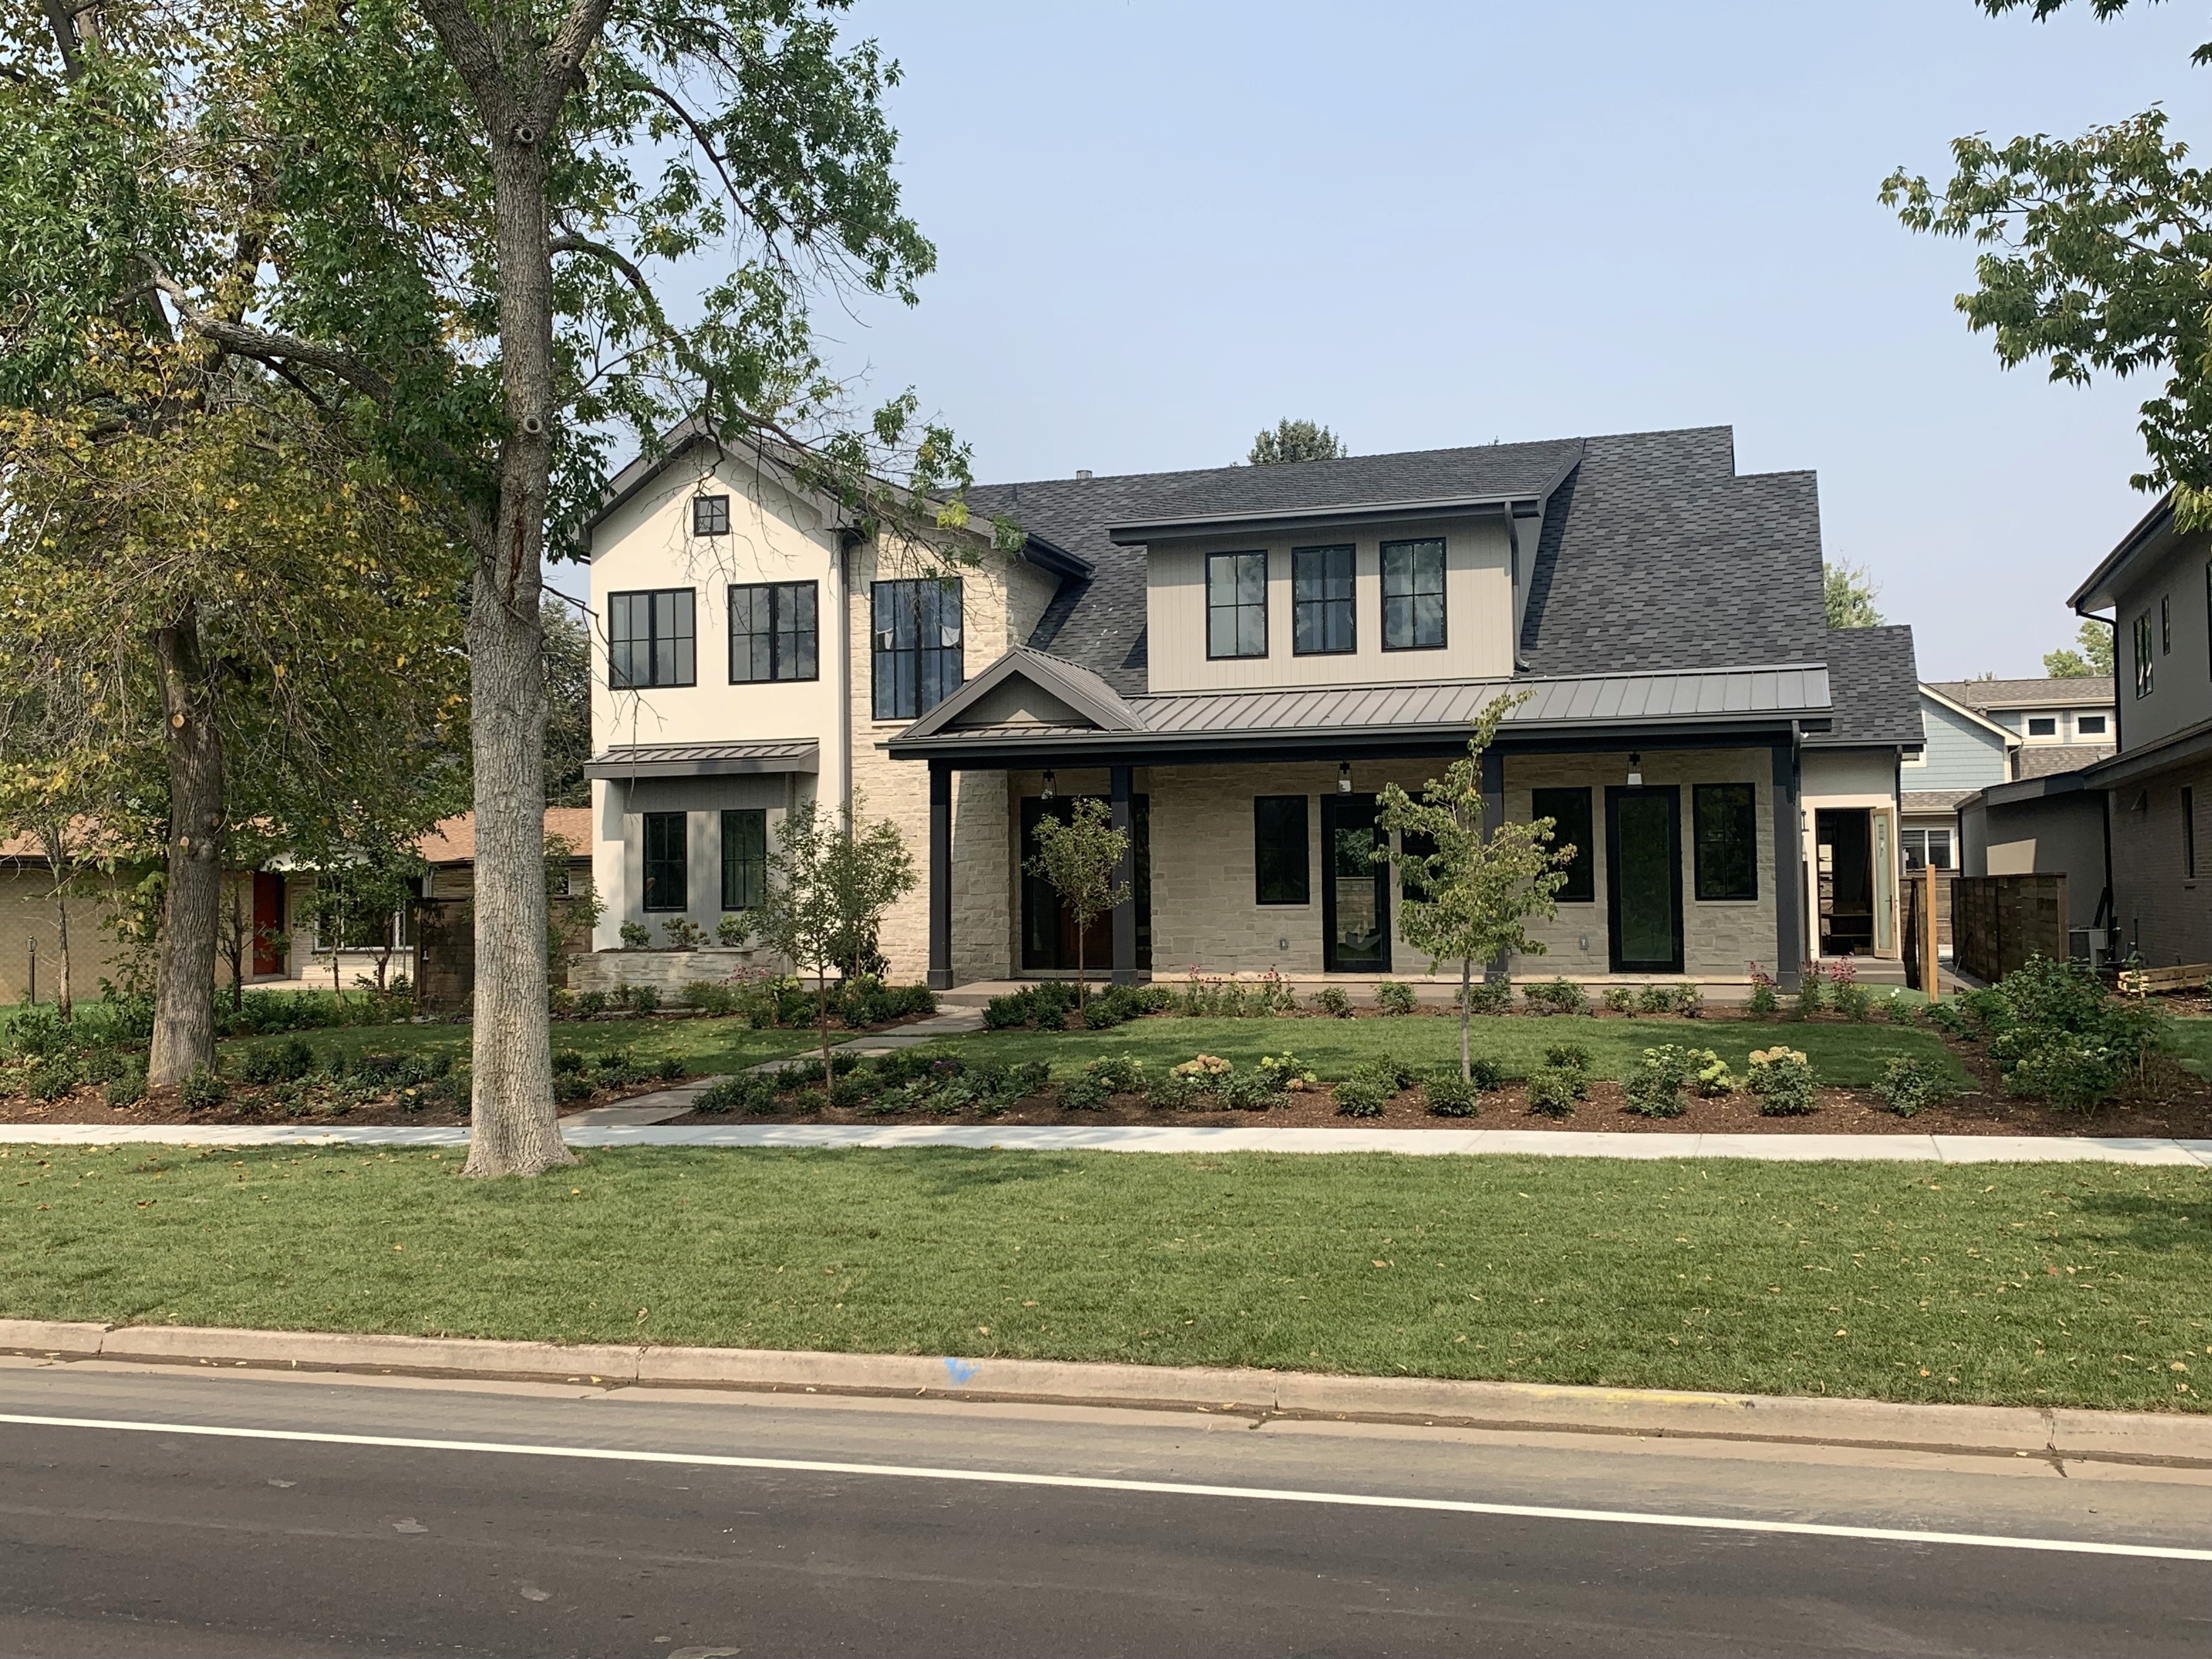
column 267, row 921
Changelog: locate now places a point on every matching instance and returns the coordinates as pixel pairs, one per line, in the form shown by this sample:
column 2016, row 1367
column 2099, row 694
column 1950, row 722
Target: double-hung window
column 917, row 645
column 745, row 858
column 2143, row 655
column 1925, row 847
column 1727, row 816
column 1322, row 621
column 650, row 638
column 772, row 632
column 1568, row 810
column 1237, row 604
column 1412, row 595
column 666, row 887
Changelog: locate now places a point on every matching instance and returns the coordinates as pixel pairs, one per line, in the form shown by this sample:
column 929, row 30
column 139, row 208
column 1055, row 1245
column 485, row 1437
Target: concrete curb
column 1986, row 1431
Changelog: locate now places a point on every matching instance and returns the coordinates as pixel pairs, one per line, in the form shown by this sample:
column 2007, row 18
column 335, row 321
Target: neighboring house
column 30, row 925
column 2057, row 726
column 1965, row 752
column 1237, row 660
column 441, row 931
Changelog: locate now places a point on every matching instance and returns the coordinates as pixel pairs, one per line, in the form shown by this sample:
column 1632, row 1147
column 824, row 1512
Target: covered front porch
column 1253, row 822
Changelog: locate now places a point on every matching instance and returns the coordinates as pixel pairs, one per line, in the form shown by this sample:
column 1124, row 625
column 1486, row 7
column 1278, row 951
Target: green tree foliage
column 1849, row 594
column 831, row 878
column 1296, row 441
column 568, row 705
column 2096, row 253
column 356, row 896
column 1078, row 858
column 1470, row 898
column 2091, row 656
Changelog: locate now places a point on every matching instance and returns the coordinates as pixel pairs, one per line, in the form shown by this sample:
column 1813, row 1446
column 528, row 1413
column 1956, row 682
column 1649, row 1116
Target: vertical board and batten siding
column 1479, row 611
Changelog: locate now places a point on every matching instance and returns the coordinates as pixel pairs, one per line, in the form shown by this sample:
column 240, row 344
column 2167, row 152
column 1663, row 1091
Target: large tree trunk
column 54, row 837
column 184, row 970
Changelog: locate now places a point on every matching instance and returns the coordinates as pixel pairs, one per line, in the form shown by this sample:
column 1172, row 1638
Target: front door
column 267, row 921
column 1355, row 890
column 1843, row 844
column 1048, row 932
column 1644, row 878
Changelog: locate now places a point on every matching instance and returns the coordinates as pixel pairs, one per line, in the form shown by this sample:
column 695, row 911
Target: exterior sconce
column 1636, row 771
column 1049, row 790
column 1344, row 777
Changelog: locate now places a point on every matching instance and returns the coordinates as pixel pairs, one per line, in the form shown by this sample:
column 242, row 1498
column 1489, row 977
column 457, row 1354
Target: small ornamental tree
column 829, row 881
column 357, row 896
column 1079, row 860
column 1469, row 899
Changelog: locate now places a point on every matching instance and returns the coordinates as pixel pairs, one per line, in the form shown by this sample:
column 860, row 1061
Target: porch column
column 1494, row 816
column 1788, row 870
column 1125, row 877
column 940, row 876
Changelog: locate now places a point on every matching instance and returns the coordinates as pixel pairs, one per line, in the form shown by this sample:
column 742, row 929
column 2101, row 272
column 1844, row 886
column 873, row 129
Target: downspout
column 848, row 540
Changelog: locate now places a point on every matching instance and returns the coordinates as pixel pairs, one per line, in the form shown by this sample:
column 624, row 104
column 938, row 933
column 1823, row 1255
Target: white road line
column 1162, row 1488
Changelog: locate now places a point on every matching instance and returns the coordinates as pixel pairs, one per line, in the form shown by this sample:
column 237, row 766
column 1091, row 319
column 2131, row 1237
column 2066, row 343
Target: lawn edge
column 2057, row 1435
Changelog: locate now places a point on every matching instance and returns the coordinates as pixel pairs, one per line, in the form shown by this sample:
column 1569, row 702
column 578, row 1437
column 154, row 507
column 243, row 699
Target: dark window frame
column 1303, row 883
column 748, row 873
column 1328, row 607
column 2083, row 729
column 1238, row 606
column 682, row 640
column 807, row 640
column 2165, row 624
column 2188, row 834
column 889, row 699
column 1914, row 844
column 1411, row 594
column 2049, row 720
column 1699, row 794
column 1582, row 874
column 680, row 862
column 2143, row 675
column 710, row 515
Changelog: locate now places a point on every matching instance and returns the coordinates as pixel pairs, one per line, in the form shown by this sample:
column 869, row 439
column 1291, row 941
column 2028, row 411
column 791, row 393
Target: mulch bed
column 85, row 1104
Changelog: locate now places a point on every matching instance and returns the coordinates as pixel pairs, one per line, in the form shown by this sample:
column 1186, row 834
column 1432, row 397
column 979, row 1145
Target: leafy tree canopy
column 1849, row 594
column 2090, row 656
column 1296, row 441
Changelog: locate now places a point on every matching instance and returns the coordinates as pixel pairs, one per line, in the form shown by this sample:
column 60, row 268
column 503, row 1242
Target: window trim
column 774, row 634
column 691, row 595
column 712, row 503
column 1697, row 794
column 1443, row 591
column 1350, row 601
column 731, row 866
column 1585, row 861
column 1305, row 804
column 876, row 651
column 1906, row 837
column 2102, row 728
column 683, row 862
column 2050, row 720
column 1266, row 572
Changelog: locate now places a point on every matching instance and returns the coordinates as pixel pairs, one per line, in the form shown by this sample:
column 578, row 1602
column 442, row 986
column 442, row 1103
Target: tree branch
column 267, row 346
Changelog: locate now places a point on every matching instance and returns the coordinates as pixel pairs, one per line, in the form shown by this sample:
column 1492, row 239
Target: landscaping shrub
column 202, row 1091
column 1690, row 1001
column 1896, row 1010
column 1119, row 1074
column 1331, row 1000
column 1655, row 999
column 1154, row 999
column 1812, row 992
column 1654, row 1087
column 1711, row 1077
column 1849, row 998
column 1286, row 1074
column 1782, row 1078
column 569, row 1086
column 1485, row 1073
column 645, row 999
column 709, row 996
column 37, row 1031
column 1558, row 996
column 1620, row 998
column 53, row 1077
column 732, row 930
column 1763, row 1003
column 1568, row 1056
column 684, row 933
column 669, row 1069
column 1207, row 1074
column 1112, row 1007
column 636, row 935
column 1357, row 1098
column 592, row 1002
column 1393, row 997
column 1007, row 1012
column 1252, row 1091
column 1553, row 1091
column 567, row 1060
column 2060, row 1036
column 128, row 1086
column 1491, row 996
column 277, row 1062
column 905, row 1065
column 1951, row 1019
column 1910, row 1083
column 1082, row 1094
column 1385, row 1073
column 1450, row 1095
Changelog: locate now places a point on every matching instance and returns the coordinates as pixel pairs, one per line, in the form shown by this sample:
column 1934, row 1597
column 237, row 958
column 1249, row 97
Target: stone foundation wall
column 667, row 972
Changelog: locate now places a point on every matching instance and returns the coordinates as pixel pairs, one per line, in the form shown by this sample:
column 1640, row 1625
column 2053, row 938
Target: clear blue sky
column 1163, row 225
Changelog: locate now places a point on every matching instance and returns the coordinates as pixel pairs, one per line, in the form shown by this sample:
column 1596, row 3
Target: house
column 440, row 931
column 1237, row 660
column 33, row 907
column 2054, row 725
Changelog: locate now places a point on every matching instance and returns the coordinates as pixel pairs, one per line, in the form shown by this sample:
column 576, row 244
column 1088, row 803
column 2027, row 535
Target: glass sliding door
column 1355, row 890
column 1644, row 878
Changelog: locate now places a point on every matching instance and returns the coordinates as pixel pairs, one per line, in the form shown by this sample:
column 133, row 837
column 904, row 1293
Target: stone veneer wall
column 664, row 971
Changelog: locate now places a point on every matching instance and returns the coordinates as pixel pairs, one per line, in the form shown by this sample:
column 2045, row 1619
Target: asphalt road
column 187, row 1539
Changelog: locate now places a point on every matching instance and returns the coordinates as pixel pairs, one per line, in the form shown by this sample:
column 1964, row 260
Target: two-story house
column 1237, row 660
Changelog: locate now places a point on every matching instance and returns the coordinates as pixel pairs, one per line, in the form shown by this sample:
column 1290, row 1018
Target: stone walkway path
column 1181, row 1138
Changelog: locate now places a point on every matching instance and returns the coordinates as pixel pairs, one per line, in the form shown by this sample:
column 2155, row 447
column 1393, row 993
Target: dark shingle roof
column 1982, row 695
column 1875, row 682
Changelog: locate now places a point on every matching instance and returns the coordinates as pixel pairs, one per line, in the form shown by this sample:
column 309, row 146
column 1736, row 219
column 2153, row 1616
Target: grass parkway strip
column 2075, row 1284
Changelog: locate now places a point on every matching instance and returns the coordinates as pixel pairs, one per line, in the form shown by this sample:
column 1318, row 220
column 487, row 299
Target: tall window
column 917, row 655
column 649, row 639
column 1412, row 595
column 745, row 858
column 1925, row 847
column 1280, row 859
column 1237, row 604
column 2143, row 655
column 772, row 632
column 710, row 515
column 665, row 883
column 2189, row 834
column 1727, row 817
column 1322, row 620
column 1568, row 810
column 2165, row 625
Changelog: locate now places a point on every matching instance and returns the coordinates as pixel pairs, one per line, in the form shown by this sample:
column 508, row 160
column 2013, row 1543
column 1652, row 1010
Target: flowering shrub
column 1654, row 1087
column 1287, row 1073
column 1209, row 1073
column 1909, row 1084
column 1782, row 1077
column 1120, row 1074
column 1764, row 1003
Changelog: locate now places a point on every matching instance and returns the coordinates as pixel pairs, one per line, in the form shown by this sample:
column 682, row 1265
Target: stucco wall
column 1847, row 778
column 2063, row 835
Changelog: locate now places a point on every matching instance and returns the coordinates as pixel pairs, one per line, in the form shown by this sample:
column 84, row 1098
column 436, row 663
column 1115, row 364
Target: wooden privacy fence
column 1997, row 922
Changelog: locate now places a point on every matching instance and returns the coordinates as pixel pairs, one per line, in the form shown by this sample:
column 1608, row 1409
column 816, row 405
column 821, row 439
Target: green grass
column 1842, row 1055
column 704, row 1045
column 1844, row 1279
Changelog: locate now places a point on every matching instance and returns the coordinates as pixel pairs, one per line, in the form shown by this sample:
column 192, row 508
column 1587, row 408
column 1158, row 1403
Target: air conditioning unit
column 2090, row 944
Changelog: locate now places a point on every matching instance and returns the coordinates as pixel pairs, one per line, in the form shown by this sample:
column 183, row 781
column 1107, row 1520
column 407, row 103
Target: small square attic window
column 710, row 515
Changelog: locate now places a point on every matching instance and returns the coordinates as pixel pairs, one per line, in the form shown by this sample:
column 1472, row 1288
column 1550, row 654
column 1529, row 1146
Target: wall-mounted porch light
column 1344, row 777
column 1636, row 771
column 1049, row 791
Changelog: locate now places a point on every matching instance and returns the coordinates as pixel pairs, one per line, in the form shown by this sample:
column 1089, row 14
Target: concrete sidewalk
column 1181, row 1138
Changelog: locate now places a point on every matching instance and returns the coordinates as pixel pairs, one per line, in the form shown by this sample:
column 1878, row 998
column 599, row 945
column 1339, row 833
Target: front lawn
column 1843, row 1055
column 2045, row 1284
